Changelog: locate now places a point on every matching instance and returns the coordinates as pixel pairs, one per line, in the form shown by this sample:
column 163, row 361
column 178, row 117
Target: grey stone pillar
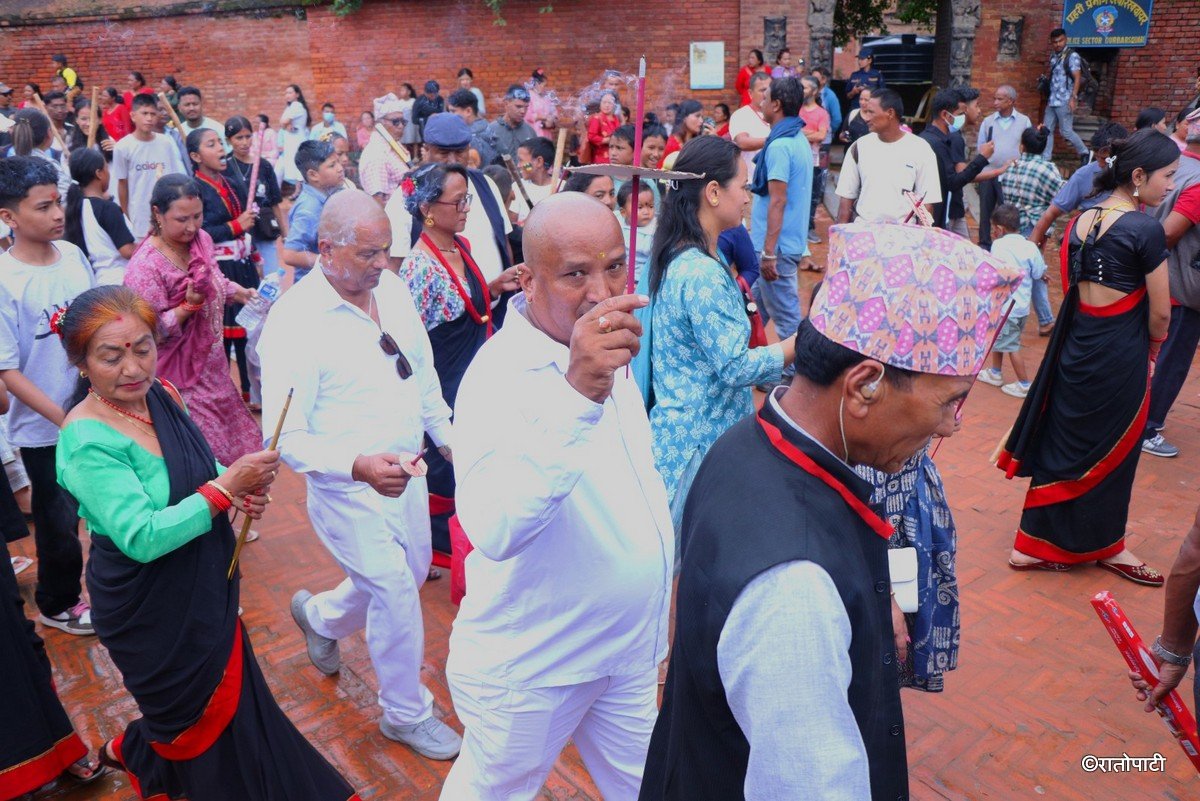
column 820, row 33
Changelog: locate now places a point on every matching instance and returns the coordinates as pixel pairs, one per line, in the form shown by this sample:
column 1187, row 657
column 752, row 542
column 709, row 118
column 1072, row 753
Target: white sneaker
column 76, row 620
column 430, row 738
column 991, row 376
column 1016, row 389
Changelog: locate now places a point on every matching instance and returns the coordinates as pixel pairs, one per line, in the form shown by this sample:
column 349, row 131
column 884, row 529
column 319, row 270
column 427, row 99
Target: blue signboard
column 1107, row 23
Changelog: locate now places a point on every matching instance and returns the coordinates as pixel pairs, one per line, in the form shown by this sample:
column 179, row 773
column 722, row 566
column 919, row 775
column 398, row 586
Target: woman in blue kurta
column 701, row 367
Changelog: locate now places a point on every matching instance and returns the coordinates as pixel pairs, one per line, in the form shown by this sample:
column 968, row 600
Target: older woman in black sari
column 454, row 301
column 155, row 501
column 1078, row 435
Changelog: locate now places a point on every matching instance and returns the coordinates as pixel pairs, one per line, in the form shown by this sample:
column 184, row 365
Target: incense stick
column 241, row 540
column 418, row 457
column 252, row 190
column 91, row 139
column 162, row 98
column 636, row 186
column 560, row 150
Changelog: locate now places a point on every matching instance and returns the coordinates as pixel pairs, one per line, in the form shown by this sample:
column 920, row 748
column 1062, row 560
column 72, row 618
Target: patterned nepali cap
column 921, row 299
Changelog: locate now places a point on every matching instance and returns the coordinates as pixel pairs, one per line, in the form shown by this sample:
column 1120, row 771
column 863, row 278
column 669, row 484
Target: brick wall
column 242, row 59
column 1163, row 73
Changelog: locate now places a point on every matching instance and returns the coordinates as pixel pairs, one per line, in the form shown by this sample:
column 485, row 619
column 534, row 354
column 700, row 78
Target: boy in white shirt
column 139, row 160
column 1018, row 251
column 39, row 278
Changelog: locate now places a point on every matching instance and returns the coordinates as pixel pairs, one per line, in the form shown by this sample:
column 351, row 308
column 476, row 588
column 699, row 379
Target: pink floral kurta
column 192, row 355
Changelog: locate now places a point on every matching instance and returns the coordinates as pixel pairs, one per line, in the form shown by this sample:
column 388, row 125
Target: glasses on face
column 461, row 205
column 390, row 348
column 396, row 121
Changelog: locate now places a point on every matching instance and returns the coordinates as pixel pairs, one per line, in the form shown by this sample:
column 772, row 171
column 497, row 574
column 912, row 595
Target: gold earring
column 83, row 375
column 429, row 221
column 714, row 201
column 1135, row 191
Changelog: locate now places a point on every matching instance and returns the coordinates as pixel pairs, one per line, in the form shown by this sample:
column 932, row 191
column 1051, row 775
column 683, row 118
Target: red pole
column 630, row 281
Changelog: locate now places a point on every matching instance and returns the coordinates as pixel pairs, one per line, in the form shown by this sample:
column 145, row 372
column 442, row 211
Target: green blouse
column 123, row 490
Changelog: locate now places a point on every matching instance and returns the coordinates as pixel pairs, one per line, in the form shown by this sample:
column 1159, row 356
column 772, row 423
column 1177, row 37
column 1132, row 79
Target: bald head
column 574, row 259
column 563, row 220
column 345, row 212
column 354, row 238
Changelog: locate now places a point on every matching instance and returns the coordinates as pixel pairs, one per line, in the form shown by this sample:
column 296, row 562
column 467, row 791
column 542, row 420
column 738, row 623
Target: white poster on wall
column 708, row 65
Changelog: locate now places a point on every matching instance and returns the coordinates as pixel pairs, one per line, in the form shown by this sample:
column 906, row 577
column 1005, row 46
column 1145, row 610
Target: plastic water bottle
column 254, row 313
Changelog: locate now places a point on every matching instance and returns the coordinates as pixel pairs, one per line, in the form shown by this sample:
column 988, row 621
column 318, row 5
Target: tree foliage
column 344, row 7
column 853, row 18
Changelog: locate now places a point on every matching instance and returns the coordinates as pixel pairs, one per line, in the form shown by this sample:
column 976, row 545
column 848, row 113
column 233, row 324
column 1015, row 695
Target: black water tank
column 906, row 58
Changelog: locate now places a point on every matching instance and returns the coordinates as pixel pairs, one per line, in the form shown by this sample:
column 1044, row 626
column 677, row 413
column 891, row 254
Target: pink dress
column 192, row 355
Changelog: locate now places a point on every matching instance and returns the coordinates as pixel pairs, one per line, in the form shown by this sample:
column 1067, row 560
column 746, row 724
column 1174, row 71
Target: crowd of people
column 434, row 306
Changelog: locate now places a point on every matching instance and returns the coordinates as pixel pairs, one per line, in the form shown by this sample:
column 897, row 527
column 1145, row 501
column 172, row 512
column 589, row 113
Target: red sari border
column 222, row 705
column 1070, row 489
column 1117, row 307
column 1041, row 549
column 44, row 768
column 806, row 463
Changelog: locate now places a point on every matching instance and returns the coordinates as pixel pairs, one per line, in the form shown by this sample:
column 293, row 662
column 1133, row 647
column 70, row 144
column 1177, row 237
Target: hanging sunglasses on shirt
column 389, row 347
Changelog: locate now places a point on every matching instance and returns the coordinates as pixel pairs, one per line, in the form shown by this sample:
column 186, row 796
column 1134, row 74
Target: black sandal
column 93, row 772
column 107, row 761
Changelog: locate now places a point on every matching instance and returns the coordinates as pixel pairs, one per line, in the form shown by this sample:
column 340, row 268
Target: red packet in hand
column 1172, row 709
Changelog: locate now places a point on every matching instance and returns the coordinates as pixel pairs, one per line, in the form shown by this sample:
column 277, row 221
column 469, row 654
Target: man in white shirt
column 747, row 127
column 351, row 345
column 565, row 617
column 881, row 166
column 191, row 108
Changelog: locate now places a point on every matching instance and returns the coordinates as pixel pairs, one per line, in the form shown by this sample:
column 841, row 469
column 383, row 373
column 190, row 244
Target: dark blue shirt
column 868, row 79
column 739, row 251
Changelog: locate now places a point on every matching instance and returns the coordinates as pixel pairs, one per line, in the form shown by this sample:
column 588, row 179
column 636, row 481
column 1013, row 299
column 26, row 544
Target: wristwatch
column 764, row 256
column 1162, row 653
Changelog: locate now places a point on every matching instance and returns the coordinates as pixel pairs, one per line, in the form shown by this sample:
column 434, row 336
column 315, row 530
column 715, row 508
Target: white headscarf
column 388, row 104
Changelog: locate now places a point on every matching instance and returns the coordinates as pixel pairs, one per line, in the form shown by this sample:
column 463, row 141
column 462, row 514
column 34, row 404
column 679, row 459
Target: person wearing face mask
column 788, row 619
column 947, row 116
column 329, row 124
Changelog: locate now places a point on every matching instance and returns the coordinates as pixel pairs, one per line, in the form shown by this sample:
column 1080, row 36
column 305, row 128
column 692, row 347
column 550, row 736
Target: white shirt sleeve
column 287, row 364
column 120, row 162
column 929, row 182
column 784, row 656
column 435, row 414
column 848, row 179
column 536, row 445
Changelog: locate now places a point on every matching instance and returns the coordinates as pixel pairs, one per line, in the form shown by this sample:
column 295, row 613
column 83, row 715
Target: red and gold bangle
column 217, row 495
column 191, row 307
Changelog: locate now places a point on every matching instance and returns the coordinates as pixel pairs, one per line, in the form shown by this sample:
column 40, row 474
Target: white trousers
column 514, row 737
column 383, row 545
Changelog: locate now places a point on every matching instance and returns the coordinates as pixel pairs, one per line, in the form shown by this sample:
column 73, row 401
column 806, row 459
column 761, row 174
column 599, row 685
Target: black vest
column 752, row 508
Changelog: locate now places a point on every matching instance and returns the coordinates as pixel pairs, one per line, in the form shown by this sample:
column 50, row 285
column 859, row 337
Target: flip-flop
column 1041, row 564
column 20, row 564
column 93, row 771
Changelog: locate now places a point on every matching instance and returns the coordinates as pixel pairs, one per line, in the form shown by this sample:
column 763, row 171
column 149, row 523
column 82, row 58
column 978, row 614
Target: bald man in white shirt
column 565, row 617
column 349, row 342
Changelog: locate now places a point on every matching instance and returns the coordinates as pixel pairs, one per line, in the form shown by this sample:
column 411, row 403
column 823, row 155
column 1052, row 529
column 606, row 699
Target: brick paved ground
column 1039, row 683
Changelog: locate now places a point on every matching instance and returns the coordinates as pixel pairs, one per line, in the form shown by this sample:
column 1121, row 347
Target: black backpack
column 1088, row 87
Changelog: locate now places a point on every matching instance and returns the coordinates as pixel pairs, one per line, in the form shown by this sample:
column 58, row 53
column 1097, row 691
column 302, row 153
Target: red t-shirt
column 117, row 122
column 743, row 83
column 599, row 128
column 1188, row 202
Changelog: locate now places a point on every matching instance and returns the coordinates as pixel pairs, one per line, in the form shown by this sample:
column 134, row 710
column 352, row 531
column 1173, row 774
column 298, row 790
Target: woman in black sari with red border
column 455, row 303
column 1078, row 435
column 155, row 501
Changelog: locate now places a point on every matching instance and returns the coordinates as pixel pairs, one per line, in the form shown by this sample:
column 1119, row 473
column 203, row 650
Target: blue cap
column 447, row 131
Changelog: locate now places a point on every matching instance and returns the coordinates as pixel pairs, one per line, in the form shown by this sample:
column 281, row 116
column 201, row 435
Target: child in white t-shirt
column 1009, row 245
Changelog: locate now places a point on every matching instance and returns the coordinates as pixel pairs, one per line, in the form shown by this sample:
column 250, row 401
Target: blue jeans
column 1174, row 361
column 1041, row 294
column 779, row 300
column 1062, row 118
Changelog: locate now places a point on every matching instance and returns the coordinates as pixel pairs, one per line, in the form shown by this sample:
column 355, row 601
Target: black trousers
column 990, row 196
column 1174, row 362
column 56, row 534
column 238, row 346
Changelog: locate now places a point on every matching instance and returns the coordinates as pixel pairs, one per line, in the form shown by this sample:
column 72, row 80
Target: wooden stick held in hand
column 517, row 182
column 245, row 532
column 399, row 149
column 91, row 139
column 560, row 150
